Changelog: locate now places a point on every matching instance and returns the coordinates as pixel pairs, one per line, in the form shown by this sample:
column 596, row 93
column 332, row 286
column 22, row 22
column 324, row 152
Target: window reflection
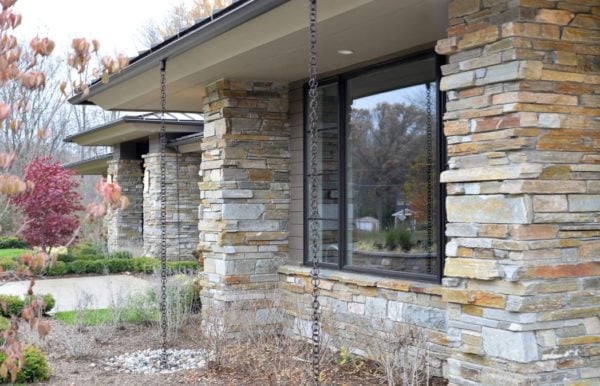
column 391, row 192
column 328, row 173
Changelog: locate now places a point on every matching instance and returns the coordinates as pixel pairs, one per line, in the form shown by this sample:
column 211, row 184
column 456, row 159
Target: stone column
column 182, row 192
column 245, row 198
column 124, row 227
column 522, row 269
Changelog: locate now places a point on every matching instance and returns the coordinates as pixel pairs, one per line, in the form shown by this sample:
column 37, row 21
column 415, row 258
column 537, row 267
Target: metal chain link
column 429, row 175
column 314, row 198
column 163, row 215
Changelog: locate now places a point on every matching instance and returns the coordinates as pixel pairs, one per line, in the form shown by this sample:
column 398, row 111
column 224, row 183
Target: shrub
column 119, row 265
column 35, row 368
column 58, row 269
column 8, row 264
column 88, row 257
column 78, row 266
column 14, row 305
column 121, row 255
column 65, row 258
column 4, row 323
column 95, row 266
column 390, row 239
column 182, row 266
column 48, row 301
column 144, row 264
column 403, row 237
column 12, row 242
column 87, row 251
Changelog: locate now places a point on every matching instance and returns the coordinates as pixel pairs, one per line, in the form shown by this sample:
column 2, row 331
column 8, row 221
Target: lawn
column 12, row 252
column 104, row 316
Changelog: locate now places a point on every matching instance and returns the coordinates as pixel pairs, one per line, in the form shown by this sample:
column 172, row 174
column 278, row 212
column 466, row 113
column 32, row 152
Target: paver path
column 88, row 291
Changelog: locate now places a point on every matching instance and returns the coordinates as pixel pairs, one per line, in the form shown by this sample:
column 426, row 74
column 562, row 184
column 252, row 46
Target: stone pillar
column 245, row 198
column 124, row 227
column 182, row 193
column 522, row 272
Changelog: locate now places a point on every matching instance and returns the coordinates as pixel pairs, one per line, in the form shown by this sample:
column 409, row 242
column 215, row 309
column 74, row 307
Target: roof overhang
column 267, row 40
column 97, row 166
column 188, row 144
column 125, row 130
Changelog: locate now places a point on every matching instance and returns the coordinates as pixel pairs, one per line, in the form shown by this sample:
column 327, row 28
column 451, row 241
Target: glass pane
column 391, row 151
column 327, row 175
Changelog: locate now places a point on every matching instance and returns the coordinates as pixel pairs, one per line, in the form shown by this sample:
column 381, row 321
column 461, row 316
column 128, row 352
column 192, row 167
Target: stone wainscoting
column 367, row 314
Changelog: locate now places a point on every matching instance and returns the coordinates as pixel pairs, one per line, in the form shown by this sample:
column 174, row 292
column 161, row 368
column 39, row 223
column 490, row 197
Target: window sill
column 363, row 280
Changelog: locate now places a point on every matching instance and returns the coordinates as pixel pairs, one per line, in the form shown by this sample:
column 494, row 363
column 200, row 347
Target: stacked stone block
column 124, row 227
column 368, row 314
column 523, row 256
column 183, row 197
column 244, row 196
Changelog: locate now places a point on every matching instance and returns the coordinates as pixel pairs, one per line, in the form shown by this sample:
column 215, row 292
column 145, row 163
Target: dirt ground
column 77, row 358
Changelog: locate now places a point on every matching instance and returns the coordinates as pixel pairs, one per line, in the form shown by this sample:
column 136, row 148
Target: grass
column 101, row 316
column 12, row 253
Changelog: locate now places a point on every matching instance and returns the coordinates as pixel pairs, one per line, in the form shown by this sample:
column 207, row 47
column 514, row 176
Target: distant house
column 486, row 110
column 367, row 224
column 404, row 216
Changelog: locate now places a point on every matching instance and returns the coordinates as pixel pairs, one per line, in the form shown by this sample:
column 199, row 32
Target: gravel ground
column 79, row 358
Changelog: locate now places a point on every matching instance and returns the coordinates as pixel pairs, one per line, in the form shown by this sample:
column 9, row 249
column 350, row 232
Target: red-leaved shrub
column 51, row 206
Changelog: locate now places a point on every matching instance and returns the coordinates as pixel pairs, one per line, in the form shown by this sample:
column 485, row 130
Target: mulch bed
column 265, row 362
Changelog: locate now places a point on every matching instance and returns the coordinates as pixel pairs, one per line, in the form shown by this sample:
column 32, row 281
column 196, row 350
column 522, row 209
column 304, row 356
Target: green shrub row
column 12, row 242
column 35, row 368
column 137, row 264
column 14, row 304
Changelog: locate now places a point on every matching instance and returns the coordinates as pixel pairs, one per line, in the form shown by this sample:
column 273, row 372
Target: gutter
column 238, row 13
column 191, row 138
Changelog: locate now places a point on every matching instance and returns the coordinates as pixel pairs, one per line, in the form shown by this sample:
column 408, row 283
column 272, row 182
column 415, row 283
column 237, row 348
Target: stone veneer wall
column 124, row 227
column 358, row 310
column 245, row 197
column 522, row 270
column 368, row 314
column 180, row 238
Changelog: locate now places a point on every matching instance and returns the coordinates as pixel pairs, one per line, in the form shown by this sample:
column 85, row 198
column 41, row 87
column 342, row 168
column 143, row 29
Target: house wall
column 366, row 314
column 124, row 227
column 522, row 266
column 244, row 200
column 182, row 197
column 520, row 299
column 296, row 213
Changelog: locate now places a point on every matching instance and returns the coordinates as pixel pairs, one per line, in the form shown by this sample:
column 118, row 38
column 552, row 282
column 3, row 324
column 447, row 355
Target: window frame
column 343, row 109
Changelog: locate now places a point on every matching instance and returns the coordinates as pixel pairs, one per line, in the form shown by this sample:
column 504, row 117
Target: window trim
column 341, row 79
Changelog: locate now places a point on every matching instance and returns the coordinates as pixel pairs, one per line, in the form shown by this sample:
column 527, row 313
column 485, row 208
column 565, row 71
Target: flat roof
column 95, row 166
column 128, row 128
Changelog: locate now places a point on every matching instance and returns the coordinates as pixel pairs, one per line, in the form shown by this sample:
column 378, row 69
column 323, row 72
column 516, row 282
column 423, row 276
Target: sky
column 115, row 23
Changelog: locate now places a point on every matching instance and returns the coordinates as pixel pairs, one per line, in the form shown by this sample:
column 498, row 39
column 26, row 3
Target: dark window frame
column 341, row 80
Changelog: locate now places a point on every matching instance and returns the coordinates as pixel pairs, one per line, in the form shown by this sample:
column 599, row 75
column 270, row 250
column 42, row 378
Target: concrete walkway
column 88, row 292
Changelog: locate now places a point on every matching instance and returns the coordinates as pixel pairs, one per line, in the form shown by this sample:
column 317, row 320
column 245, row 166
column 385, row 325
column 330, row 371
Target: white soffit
column 274, row 46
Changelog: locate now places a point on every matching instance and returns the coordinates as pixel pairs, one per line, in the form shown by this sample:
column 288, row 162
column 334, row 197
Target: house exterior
column 481, row 115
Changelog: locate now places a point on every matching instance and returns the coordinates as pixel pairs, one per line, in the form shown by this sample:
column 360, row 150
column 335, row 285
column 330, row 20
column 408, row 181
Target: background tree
column 388, row 143
column 51, row 206
column 181, row 16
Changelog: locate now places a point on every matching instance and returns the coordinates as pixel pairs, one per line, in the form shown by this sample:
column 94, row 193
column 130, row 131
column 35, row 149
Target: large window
column 379, row 158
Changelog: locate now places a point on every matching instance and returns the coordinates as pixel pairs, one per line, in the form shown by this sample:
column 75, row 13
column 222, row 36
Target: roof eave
column 203, row 32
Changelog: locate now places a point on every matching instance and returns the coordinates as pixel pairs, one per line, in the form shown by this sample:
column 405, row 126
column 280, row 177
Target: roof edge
column 196, row 34
column 107, row 157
